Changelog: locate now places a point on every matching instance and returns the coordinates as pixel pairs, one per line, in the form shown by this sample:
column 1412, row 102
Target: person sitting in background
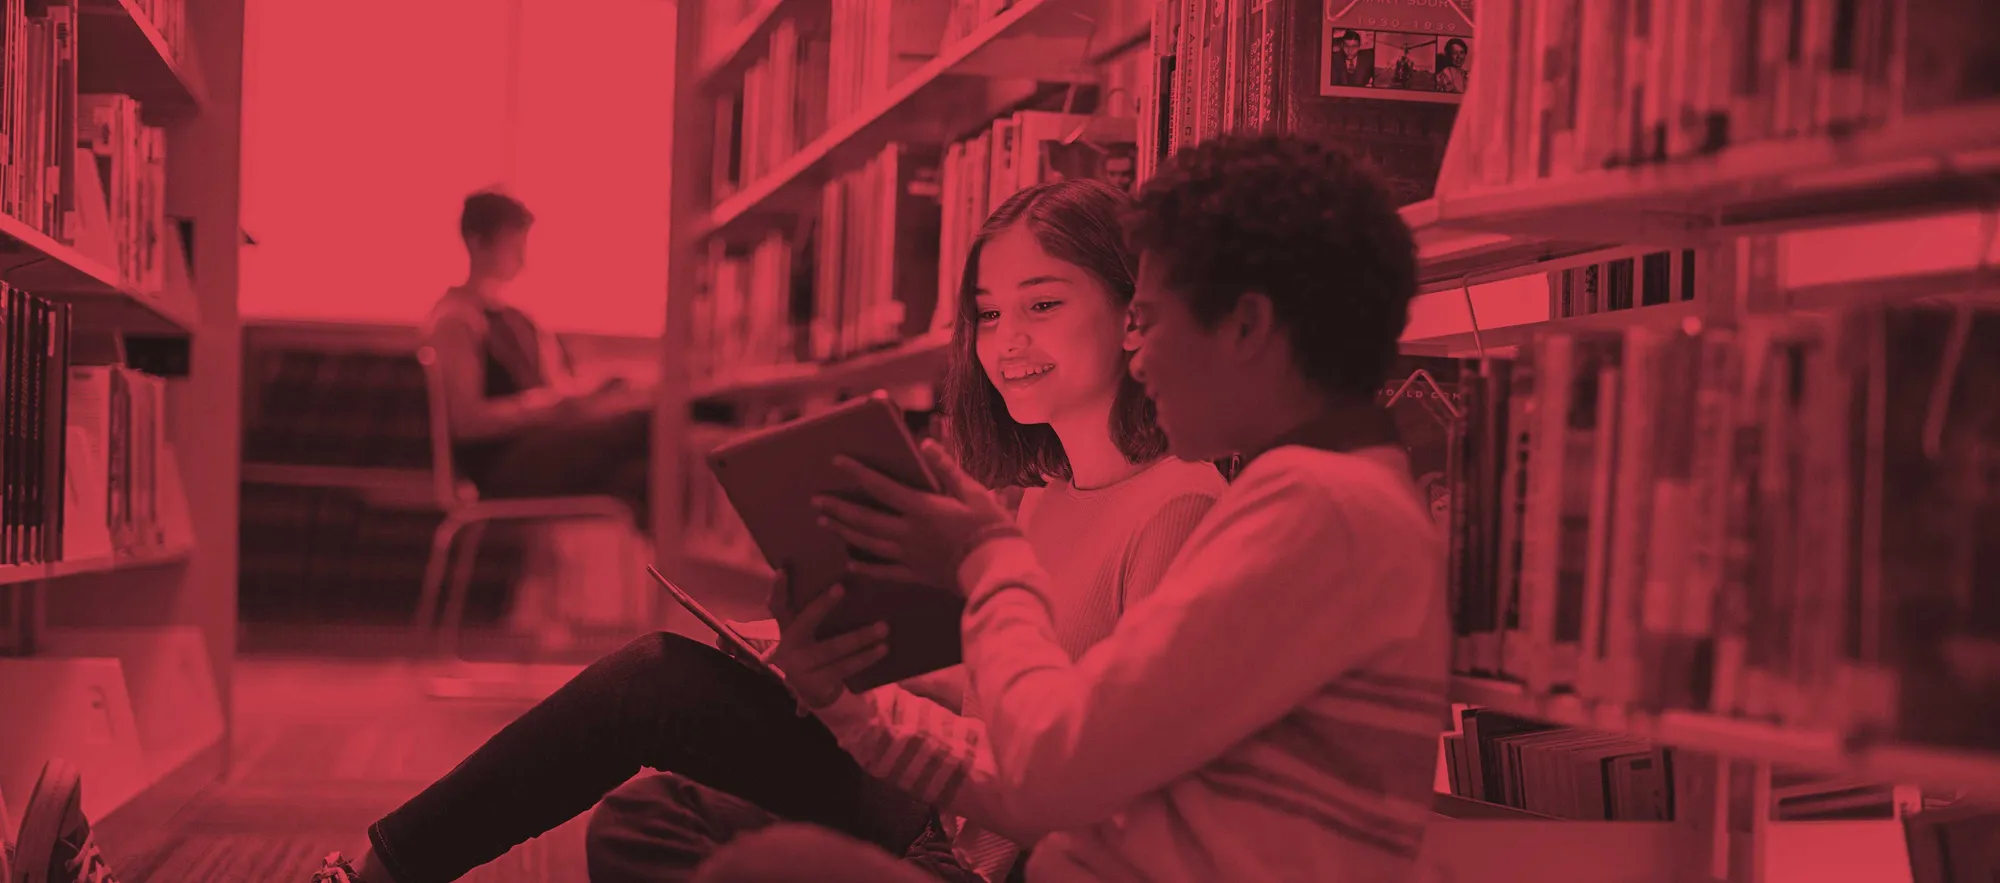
column 1036, row 394
column 522, row 424
column 1271, row 711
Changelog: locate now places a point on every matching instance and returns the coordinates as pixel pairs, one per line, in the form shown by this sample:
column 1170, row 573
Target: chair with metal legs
column 465, row 518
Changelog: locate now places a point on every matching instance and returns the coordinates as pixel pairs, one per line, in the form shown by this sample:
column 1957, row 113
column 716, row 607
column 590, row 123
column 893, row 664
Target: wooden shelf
column 1943, row 286
column 16, row 574
column 1940, row 286
column 1134, row 37
column 1452, row 806
column 1823, row 751
column 1448, row 258
column 119, row 50
column 1500, row 341
column 737, row 48
column 915, row 361
column 186, row 614
column 35, row 261
column 1928, row 163
column 928, row 104
column 173, row 553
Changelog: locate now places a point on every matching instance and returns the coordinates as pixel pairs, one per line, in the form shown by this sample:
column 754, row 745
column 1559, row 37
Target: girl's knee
column 664, row 651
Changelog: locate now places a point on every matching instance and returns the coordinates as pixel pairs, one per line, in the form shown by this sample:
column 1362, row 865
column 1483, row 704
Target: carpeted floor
column 322, row 749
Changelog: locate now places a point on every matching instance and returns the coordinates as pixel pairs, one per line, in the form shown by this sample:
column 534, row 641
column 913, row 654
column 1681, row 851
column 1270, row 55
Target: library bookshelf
column 1771, row 211
column 118, row 599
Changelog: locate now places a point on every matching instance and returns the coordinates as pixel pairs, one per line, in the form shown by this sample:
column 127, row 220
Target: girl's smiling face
column 1048, row 331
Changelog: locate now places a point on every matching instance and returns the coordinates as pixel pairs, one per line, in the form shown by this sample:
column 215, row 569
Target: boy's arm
column 1287, row 585
column 462, row 368
column 558, row 364
column 946, row 687
column 942, row 757
column 939, row 757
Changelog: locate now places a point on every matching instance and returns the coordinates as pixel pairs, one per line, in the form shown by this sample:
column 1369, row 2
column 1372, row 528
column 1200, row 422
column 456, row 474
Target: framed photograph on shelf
column 1401, row 50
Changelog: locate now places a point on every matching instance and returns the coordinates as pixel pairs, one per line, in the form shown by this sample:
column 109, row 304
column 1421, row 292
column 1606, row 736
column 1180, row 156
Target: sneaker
column 56, row 844
column 336, row 869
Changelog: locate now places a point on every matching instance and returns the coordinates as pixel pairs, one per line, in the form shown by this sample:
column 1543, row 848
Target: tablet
column 771, row 475
column 745, row 652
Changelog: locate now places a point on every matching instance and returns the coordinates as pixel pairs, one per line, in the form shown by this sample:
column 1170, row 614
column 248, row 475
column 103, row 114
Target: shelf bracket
column 15, row 257
column 22, row 611
column 160, row 356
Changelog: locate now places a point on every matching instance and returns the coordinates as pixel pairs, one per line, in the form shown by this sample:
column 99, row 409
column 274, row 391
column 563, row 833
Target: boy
column 521, row 424
column 1271, row 711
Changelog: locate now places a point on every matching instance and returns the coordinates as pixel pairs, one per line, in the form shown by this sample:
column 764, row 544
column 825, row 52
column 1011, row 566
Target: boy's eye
column 1045, row 306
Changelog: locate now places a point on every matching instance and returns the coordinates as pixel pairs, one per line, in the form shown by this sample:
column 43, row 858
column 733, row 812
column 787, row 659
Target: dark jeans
column 610, row 455
column 663, row 702
column 661, row 828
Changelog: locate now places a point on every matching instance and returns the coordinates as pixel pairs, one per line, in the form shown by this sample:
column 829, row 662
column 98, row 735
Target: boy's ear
column 1253, row 321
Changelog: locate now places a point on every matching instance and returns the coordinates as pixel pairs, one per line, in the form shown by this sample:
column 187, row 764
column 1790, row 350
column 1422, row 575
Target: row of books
column 818, row 70
column 129, row 159
column 37, row 116
column 123, row 479
column 722, row 19
column 1568, row 86
column 1019, row 151
column 762, row 121
column 1586, row 775
column 877, row 236
column 1607, row 286
column 86, row 468
column 34, row 436
column 169, row 18
column 890, row 237
column 1779, row 521
column 81, row 168
column 1383, row 80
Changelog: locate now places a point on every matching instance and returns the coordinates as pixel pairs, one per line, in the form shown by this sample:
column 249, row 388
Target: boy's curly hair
column 1310, row 226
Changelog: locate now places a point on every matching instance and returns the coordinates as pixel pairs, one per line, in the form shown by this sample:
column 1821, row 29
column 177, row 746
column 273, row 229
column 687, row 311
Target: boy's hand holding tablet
column 921, row 537
column 857, row 574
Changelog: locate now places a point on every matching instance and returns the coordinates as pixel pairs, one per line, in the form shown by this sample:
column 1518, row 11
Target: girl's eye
column 1045, row 306
column 989, row 315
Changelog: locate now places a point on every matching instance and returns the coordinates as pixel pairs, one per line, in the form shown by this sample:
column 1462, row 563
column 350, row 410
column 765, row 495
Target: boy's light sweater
column 1106, row 549
column 1271, row 712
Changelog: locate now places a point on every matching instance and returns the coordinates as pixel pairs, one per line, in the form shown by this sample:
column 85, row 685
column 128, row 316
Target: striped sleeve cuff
column 910, row 742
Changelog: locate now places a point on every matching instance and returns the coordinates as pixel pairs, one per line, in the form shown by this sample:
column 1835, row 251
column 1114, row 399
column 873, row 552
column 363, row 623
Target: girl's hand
column 922, row 537
column 816, row 670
